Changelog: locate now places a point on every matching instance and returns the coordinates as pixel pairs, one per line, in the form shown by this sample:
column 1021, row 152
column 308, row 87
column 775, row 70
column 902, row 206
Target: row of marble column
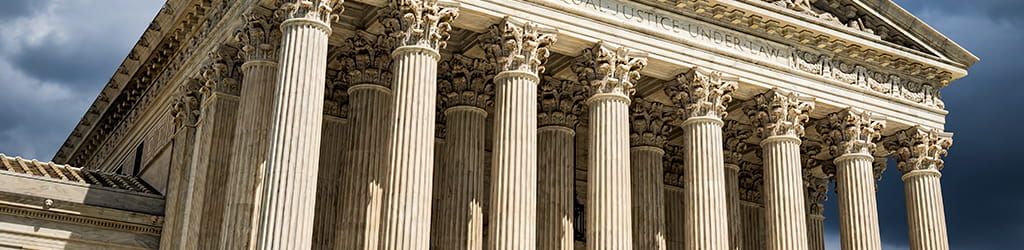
column 386, row 197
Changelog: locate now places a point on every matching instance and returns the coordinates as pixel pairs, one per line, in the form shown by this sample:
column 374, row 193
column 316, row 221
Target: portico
column 372, row 124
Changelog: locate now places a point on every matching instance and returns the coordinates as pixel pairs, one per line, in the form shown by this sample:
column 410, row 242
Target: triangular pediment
column 882, row 19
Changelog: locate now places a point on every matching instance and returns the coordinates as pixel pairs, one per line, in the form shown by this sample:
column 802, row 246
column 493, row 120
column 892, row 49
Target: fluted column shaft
column 181, row 189
column 555, row 183
column 858, row 210
column 704, row 178
column 784, row 193
column 252, row 132
column 405, row 222
column 359, row 222
column 753, row 227
column 648, row 195
column 816, row 232
column 329, row 180
column 215, row 133
column 462, row 224
column 608, row 190
column 925, row 212
column 514, row 177
column 732, row 202
column 287, row 207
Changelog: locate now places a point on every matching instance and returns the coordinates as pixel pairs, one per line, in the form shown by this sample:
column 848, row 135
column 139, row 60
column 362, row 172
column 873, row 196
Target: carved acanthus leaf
column 440, row 123
column 221, row 74
column 817, row 189
column 878, row 168
column 465, row 81
column 425, row 23
column 336, row 95
column 649, row 123
column 851, row 131
column 919, row 148
column 515, row 46
column 751, row 179
column 673, row 165
column 777, row 113
column 607, row 69
column 325, row 11
column 734, row 137
column 702, row 93
column 366, row 59
column 185, row 107
column 560, row 102
column 259, row 38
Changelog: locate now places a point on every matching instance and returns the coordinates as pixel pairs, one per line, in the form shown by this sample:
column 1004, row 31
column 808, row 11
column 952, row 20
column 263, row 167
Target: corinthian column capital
column 323, row 11
column 919, row 148
column 423, row 23
column 816, row 185
column 702, row 92
column 465, row 81
column 734, row 138
column 185, row 108
column 609, row 70
column 560, row 102
column 336, row 95
column 778, row 113
column 259, row 38
column 851, row 131
column 519, row 46
column 649, row 123
column 366, row 58
column 221, row 74
column 751, row 180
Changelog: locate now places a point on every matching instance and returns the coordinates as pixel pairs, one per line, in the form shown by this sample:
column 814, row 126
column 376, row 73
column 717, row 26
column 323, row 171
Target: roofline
column 922, row 30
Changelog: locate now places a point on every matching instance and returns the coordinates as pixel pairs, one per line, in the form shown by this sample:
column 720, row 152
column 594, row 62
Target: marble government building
column 500, row 124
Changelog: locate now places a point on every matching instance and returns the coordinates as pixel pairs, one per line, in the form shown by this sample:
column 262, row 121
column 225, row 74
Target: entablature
column 760, row 63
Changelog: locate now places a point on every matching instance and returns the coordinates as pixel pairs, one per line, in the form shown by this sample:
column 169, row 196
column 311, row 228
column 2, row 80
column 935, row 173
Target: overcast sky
column 56, row 55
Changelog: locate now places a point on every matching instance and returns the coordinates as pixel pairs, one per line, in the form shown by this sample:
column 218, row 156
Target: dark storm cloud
column 54, row 58
column 82, row 66
column 20, row 8
column 996, row 9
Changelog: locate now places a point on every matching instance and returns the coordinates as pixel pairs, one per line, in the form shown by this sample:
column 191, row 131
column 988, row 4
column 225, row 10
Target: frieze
column 909, row 81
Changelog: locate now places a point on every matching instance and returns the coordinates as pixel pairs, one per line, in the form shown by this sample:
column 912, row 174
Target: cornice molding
column 30, row 213
column 181, row 29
